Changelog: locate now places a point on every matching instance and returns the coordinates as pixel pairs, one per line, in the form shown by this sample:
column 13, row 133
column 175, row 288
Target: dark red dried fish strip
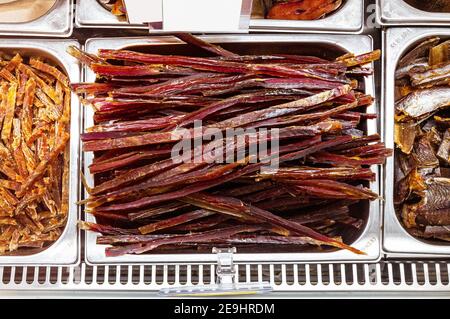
column 174, row 221
column 307, row 173
column 179, row 239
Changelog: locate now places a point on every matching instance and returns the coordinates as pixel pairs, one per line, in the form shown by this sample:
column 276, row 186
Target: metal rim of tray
column 66, row 250
column 398, row 12
column 57, row 22
column 397, row 242
column 369, row 241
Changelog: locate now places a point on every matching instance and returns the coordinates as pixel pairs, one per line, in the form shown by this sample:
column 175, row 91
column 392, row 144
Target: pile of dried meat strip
column 144, row 201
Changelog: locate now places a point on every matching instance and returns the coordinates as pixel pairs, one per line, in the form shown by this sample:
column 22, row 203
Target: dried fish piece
column 439, row 54
column 423, row 154
column 405, row 136
column 418, row 65
column 438, row 74
column 444, row 148
column 420, row 51
column 423, row 103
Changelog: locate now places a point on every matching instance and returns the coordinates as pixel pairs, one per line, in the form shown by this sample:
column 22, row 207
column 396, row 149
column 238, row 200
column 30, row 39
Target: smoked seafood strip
column 117, row 7
column 34, row 153
column 302, row 191
column 422, row 182
column 302, row 9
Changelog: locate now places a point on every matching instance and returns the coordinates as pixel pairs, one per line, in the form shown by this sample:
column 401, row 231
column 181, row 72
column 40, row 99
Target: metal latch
column 226, row 272
column 226, row 281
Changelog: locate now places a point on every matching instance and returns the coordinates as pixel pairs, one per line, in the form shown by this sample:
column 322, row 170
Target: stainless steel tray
column 396, row 240
column 65, row 251
column 398, row 12
column 349, row 18
column 368, row 241
column 58, row 22
column 90, row 13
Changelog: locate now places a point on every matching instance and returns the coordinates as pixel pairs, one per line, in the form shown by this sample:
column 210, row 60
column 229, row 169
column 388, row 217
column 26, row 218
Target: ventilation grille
column 409, row 277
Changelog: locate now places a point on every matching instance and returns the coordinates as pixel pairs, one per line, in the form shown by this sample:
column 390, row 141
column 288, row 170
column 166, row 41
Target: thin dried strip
column 9, row 171
column 10, row 109
column 65, row 120
column 336, row 159
column 18, row 155
column 42, row 166
column 106, row 230
column 3, row 100
column 333, row 189
column 363, row 58
column 188, row 38
column 157, row 211
column 302, row 173
column 39, row 132
column 27, row 112
column 134, row 175
column 174, row 221
column 51, row 92
column 44, row 67
column 274, row 83
column 139, row 125
column 84, row 57
column 125, row 160
column 272, row 240
column 13, row 63
column 9, row 184
column 29, row 199
column 93, row 88
column 7, row 75
column 53, row 111
column 30, row 158
column 178, row 239
column 203, row 224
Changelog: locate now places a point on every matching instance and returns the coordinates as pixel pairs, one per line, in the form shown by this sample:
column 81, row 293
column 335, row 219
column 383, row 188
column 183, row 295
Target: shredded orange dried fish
column 34, row 153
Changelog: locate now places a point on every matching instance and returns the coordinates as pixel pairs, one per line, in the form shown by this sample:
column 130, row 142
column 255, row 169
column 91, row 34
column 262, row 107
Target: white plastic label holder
column 226, row 281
